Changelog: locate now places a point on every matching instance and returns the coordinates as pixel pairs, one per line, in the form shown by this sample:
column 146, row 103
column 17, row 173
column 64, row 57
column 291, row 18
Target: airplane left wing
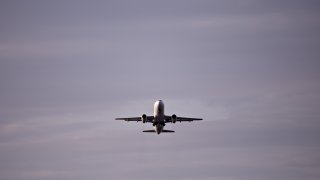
column 182, row 119
column 149, row 119
column 130, row 119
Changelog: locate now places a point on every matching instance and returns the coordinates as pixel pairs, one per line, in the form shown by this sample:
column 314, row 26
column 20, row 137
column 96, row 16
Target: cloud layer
column 249, row 68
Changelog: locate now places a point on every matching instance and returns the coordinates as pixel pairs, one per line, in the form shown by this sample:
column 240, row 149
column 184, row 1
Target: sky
column 249, row 68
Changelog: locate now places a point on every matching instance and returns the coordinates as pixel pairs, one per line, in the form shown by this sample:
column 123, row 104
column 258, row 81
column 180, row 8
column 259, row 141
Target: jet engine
column 144, row 118
column 173, row 118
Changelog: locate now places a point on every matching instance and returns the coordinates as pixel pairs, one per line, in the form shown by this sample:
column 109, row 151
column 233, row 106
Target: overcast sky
column 250, row 68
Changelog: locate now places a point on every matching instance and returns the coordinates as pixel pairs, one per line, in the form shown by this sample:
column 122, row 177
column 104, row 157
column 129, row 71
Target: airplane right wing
column 182, row 119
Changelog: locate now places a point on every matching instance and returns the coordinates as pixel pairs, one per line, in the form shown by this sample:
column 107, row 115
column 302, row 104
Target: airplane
column 159, row 119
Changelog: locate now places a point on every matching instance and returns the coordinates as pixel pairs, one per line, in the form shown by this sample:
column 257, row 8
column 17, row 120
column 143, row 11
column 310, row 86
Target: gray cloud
column 249, row 68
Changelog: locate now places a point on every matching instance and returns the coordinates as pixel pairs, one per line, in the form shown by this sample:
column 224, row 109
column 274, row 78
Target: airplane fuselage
column 158, row 113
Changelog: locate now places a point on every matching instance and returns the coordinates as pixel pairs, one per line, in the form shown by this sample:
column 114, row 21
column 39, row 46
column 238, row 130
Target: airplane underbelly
column 159, row 119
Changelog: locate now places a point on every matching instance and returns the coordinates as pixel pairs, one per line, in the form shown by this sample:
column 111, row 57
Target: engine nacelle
column 144, row 118
column 173, row 118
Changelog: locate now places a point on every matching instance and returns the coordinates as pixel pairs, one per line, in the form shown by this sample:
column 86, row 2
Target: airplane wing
column 182, row 119
column 149, row 119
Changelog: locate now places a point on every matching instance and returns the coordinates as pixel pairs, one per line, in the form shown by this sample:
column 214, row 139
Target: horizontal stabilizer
column 149, row 131
column 163, row 131
column 167, row 131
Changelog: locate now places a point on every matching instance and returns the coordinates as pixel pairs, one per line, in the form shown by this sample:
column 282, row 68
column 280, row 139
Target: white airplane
column 159, row 119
